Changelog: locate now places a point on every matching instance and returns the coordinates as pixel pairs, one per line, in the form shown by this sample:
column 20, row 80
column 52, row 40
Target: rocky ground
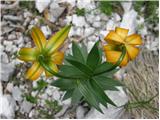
column 90, row 22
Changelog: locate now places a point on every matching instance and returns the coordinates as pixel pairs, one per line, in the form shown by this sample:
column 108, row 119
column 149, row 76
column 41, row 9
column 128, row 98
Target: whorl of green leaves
column 91, row 79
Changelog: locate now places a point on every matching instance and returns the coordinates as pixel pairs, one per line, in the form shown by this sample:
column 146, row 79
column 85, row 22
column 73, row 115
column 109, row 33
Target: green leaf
column 40, row 85
column 64, row 83
column 110, row 73
column 31, row 99
column 84, row 88
column 101, row 96
column 103, row 67
column 100, row 55
column 107, row 83
column 82, row 67
column 76, row 96
column 93, row 57
column 68, row 70
column 77, row 52
column 68, row 94
column 84, row 51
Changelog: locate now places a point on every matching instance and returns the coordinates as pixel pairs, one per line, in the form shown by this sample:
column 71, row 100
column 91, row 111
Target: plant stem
column 46, row 67
column 117, row 63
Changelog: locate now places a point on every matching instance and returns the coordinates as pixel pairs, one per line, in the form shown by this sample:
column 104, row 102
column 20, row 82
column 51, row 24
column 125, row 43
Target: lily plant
column 83, row 76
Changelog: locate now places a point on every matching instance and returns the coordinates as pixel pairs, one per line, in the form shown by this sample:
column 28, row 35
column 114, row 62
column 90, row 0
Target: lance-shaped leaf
column 82, row 67
column 84, row 51
column 57, row 40
column 107, row 83
column 64, row 83
column 93, row 57
column 76, row 96
column 38, row 37
column 101, row 96
column 77, row 52
column 27, row 54
column 68, row 94
column 85, row 89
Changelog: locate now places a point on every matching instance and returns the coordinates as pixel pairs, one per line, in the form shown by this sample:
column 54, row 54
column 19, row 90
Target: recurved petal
column 34, row 72
column 114, row 38
column 53, row 67
column 56, row 41
column 38, row 37
column 27, row 54
column 113, row 56
column 134, row 39
column 57, row 57
column 122, row 32
column 132, row 51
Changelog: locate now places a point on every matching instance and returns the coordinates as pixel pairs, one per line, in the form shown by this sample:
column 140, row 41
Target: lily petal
column 134, row 39
column 122, row 32
column 38, row 37
column 132, row 51
column 57, row 57
column 113, row 56
column 113, row 38
column 57, row 40
column 27, row 54
column 109, row 47
column 53, row 67
column 34, row 72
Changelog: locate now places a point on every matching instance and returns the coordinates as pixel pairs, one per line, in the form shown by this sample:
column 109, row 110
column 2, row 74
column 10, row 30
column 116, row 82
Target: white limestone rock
column 89, row 31
column 7, row 104
column 41, row 4
column 17, row 93
column 26, row 107
column 9, row 87
column 97, row 24
column 78, row 21
column 80, row 111
column 126, row 6
column 6, row 70
column 46, row 30
column 129, row 21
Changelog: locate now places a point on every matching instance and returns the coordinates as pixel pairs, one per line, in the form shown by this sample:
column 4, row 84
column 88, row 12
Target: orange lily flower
column 118, row 38
column 48, row 49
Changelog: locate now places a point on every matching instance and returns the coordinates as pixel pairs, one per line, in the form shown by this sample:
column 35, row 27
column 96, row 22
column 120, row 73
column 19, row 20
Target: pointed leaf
column 93, row 57
column 83, row 68
column 84, row 51
column 64, row 83
column 107, row 83
column 77, row 52
column 84, row 88
column 101, row 96
column 68, row 94
column 76, row 96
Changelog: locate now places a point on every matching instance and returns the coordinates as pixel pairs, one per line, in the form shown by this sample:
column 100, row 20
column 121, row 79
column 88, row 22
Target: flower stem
column 117, row 63
column 46, row 67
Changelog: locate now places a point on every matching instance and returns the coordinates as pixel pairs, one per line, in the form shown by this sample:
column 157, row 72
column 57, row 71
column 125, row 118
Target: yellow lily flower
column 48, row 49
column 118, row 38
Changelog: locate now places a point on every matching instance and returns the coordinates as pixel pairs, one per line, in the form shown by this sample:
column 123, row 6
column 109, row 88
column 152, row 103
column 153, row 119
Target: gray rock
column 129, row 21
column 88, row 31
column 46, row 30
column 4, row 57
column 6, row 70
column 97, row 24
column 17, row 93
column 9, row 87
column 80, row 111
column 7, row 104
column 78, row 21
column 26, row 107
column 126, row 6
column 54, row 12
column 41, row 5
